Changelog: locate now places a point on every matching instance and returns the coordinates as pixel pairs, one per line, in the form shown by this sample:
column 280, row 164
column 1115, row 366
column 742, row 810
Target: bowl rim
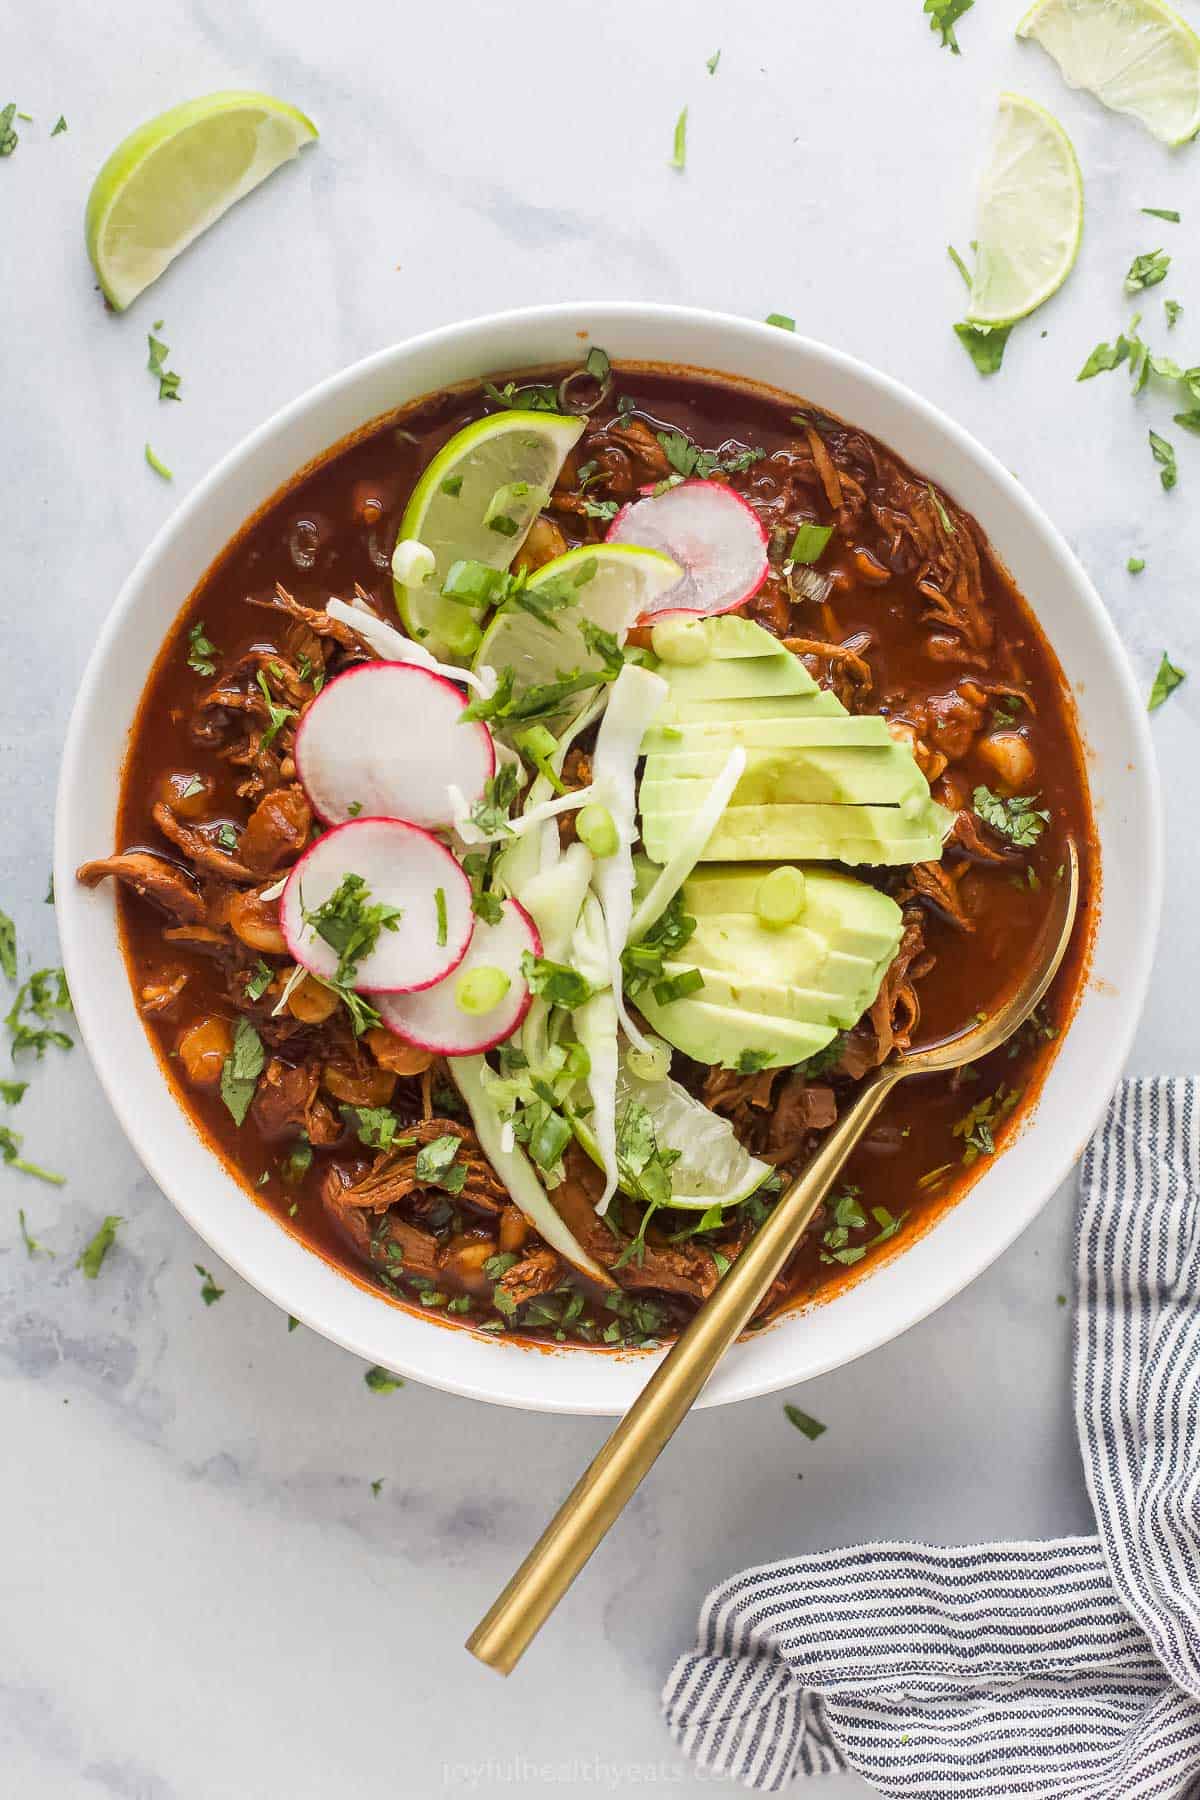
column 486, row 1381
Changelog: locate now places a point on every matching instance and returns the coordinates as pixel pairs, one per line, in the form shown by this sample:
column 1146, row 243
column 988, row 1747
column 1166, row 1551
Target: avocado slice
column 717, row 1034
column 778, row 992
column 819, row 784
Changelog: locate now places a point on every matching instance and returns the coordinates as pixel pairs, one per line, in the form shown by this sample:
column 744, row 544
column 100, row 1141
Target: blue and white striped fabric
column 1069, row 1668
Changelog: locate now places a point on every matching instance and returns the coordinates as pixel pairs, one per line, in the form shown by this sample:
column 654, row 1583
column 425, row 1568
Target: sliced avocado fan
column 819, row 783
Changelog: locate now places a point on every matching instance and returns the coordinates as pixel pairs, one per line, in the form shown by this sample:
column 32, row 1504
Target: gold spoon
column 594, row 1503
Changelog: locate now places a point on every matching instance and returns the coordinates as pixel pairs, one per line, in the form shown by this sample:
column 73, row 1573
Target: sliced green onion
column 809, row 543
column 157, row 464
column 596, row 828
column 474, row 583
column 784, row 321
column 678, row 987
column 651, row 1064
column 412, row 562
column 780, row 898
column 539, row 745
column 452, row 486
column 482, row 989
column 511, row 505
column 577, row 1063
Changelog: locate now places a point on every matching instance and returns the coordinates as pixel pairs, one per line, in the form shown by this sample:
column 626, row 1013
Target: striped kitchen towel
column 1068, row 1668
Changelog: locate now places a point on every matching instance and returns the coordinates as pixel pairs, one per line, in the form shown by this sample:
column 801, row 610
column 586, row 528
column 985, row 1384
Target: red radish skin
column 433, row 1020
column 715, row 536
column 386, row 740
column 403, row 865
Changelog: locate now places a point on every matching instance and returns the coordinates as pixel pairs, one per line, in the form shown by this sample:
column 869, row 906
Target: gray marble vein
column 203, row 1600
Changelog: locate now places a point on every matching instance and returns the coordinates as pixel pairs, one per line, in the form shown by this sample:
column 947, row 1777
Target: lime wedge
column 1137, row 56
column 1030, row 215
column 172, row 177
column 713, row 1168
column 476, row 502
column 610, row 585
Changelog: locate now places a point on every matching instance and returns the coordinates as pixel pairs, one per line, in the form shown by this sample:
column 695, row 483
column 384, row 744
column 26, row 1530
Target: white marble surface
column 201, row 1598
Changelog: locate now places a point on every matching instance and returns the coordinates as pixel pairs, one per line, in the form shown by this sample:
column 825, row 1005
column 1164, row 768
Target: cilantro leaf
column 350, row 924
column 1172, row 308
column 8, row 137
column 168, row 380
column 94, row 1253
column 44, row 994
column 1016, row 818
column 1166, row 680
column 1163, row 453
column 554, row 981
column 242, row 1068
column 1162, row 212
column 209, row 1292
column 10, row 1150
column 944, row 16
column 1147, row 270
column 8, row 946
column 984, row 344
column 381, row 1381
column 795, row 1415
column 436, row 1166
column 202, row 652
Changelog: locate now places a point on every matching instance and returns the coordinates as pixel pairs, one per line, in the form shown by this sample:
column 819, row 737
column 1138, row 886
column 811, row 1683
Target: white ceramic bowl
column 1120, row 764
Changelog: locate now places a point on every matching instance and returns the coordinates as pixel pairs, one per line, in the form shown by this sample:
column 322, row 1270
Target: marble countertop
column 203, row 1598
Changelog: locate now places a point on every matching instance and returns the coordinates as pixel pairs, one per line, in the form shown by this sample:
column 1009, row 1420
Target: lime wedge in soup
column 475, row 503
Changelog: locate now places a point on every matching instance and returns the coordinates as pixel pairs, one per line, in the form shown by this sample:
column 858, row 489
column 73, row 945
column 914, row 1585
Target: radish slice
column 403, row 866
column 386, row 741
column 717, row 539
column 435, row 1021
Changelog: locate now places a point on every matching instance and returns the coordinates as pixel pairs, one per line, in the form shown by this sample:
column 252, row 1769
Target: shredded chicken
column 201, row 851
column 394, row 1174
column 154, row 878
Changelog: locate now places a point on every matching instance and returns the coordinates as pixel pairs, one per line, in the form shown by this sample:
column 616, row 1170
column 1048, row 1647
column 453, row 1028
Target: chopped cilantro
column 277, row 714
column 168, row 380
column 39, row 998
column 1189, row 420
column 749, row 1062
column 227, row 836
column 944, row 16
column 554, row 981
column 436, row 1165
column 8, row 137
column 1147, row 270
column 376, row 1486
column 8, row 946
column 977, row 1127
column 1163, row 453
column 243, row 1066
column 713, row 62
column 381, row 1382
column 688, row 460
column 601, row 509
column 485, row 904
column 94, row 1253
column 1136, row 564
column 297, row 1162
column 784, row 321
column 535, row 398
column 11, row 1091
column 10, row 1151
column 642, row 963
column 259, row 980
column 194, row 786
column 377, row 1127
column 984, row 344
column 821, row 1061
column 1166, row 680
column 812, row 1428
column 350, row 924
column 292, row 1323
column 60, row 125
column 679, row 142
column 209, row 1292
column 32, row 1246
column 1172, row 308
column 1016, row 818
column 202, row 652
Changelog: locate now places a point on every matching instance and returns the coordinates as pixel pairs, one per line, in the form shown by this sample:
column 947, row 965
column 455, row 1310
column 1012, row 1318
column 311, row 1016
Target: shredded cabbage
column 683, row 860
column 635, row 697
column 552, row 898
column 393, row 646
column 515, row 1169
column 596, row 1028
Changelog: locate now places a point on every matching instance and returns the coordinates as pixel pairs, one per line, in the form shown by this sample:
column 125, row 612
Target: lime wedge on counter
column 611, row 585
column 1137, row 56
column 1030, row 215
column 172, row 177
column 713, row 1168
column 475, row 503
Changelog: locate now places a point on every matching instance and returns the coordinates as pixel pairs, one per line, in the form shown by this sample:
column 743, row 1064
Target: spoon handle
column 597, row 1498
